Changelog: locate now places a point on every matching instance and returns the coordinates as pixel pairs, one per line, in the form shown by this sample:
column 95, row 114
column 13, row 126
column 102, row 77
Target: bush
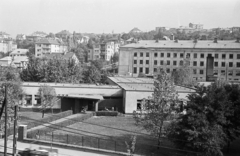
column 107, row 113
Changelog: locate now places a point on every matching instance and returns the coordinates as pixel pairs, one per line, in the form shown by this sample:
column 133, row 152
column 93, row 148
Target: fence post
column 82, row 140
column 67, row 138
column 98, row 143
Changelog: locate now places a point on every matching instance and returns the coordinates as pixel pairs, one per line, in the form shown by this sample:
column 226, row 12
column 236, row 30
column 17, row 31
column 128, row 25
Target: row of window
column 188, row 55
column 168, row 62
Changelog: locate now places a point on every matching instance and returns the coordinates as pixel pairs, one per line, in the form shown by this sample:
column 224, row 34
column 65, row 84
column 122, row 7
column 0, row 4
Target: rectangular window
column 230, row 56
column 188, row 55
column 162, row 54
column 139, row 105
column 216, row 56
column 140, row 70
column 215, row 64
column 141, row 61
column 230, row 64
column 202, row 55
column 135, row 54
column 201, row 63
column 155, row 62
column 147, row 54
column 155, row 54
column 181, row 63
column 146, row 70
column 155, row 70
column 168, row 55
column 238, row 73
column 161, row 62
column 195, row 55
column 174, row 63
column 147, row 61
column 135, row 70
column 223, row 56
column 194, row 63
column 168, row 70
column 223, row 64
column 238, row 64
column 238, row 56
column 222, row 72
column 141, row 54
column 181, row 55
column 215, row 72
column 135, row 61
column 201, row 72
column 174, row 55
column 230, row 72
column 168, row 62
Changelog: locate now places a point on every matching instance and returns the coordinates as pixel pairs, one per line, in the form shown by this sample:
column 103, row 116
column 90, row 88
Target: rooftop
column 141, row 84
column 19, row 51
column 20, row 59
column 47, row 41
column 64, row 32
column 206, row 44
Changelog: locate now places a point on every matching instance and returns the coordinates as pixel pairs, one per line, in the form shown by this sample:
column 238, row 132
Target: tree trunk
column 159, row 135
column 43, row 113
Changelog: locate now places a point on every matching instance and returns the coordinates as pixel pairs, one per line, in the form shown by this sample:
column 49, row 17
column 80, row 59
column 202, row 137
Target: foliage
column 9, row 77
column 98, row 64
column 47, row 96
column 115, row 57
column 131, row 145
column 183, row 75
column 91, row 74
column 211, row 120
column 55, row 70
column 27, row 45
column 104, row 76
column 159, row 107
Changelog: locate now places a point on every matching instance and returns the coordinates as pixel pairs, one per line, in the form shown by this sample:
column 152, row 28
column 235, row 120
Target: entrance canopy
column 84, row 96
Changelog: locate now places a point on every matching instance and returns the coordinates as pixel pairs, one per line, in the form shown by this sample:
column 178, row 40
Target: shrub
column 106, row 113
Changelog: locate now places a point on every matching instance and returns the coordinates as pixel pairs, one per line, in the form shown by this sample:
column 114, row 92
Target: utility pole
column 15, row 130
column 6, row 121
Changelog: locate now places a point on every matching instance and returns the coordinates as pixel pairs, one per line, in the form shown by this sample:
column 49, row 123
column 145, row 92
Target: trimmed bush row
column 48, row 119
column 107, row 113
column 58, row 126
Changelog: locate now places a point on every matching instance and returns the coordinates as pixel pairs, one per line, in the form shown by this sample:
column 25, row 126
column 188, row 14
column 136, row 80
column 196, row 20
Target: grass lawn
column 145, row 143
column 31, row 115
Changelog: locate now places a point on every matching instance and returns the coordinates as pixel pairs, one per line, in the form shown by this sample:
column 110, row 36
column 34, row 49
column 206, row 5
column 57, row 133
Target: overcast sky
column 98, row 16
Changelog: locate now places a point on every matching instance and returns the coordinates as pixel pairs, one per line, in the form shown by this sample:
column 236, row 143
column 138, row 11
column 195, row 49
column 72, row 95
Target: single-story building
column 123, row 94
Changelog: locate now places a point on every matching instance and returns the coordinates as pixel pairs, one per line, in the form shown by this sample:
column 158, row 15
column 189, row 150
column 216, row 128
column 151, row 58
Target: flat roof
column 69, row 85
column 206, row 44
column 142, row 84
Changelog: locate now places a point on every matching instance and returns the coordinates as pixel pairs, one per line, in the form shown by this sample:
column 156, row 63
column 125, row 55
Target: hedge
column 107, row 113
column 58, row 126
column 48, row 119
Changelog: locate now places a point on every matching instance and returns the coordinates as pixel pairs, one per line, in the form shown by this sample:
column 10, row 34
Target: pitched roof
column 64, row 32
column 20, row 59
column 47, row 41
column 19, row 51
column 206, row 44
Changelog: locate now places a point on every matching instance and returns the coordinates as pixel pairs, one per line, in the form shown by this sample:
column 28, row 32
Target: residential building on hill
column 63, row 34
column 19, row 52
column 7, row 46
column 196, row 26
column 36, row 36
column 236, row 29
column 4, row 35
column 47, row 46
column 208, row 59
column 20, row 37
column 19, row 62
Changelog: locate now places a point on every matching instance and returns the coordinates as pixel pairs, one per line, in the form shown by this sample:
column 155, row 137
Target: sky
column 107, row 16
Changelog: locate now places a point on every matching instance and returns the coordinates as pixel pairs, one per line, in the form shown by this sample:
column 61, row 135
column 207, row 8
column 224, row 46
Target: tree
column 115, row 57
column 159, row 107
column 47, row 97
column 200, row 129
column 183, row 75
column 9, row 77
column 91, row 74
column 98, row 64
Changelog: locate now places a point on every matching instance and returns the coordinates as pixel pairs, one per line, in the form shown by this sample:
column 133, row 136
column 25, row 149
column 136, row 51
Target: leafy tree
column 47, row 96
column 125, row 36
column 91, row 74
column 183, row 75
column 159, row 107
column 9, row 77
column 200, row 129
column 115, row 57
column 98, row 64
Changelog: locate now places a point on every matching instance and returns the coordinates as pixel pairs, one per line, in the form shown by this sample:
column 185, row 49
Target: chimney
column 237, row 41
column 173, row 37
column 215, row 40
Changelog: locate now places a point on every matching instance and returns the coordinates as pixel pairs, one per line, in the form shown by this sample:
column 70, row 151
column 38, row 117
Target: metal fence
column 166, row 147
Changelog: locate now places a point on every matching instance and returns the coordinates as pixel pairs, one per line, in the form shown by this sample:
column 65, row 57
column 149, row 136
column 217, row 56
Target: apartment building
column 7, row 46
column 48, row 46
column 94, row 53
column 196, row 26
column 19, row 52
column 208, row 59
